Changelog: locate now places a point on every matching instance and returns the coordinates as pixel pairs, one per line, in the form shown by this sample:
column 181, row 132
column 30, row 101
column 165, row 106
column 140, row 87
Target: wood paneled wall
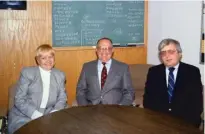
column 22, row 31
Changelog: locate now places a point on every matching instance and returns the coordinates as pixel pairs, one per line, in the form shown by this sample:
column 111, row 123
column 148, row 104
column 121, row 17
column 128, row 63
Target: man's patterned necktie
column 103, row 75
column 171, row 83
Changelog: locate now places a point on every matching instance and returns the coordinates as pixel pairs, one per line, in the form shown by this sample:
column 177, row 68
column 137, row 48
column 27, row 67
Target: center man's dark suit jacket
column 118, row 87
column 187, row 100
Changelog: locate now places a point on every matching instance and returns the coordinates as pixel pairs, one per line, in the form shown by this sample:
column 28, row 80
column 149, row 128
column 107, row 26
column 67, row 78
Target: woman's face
column 46, row 60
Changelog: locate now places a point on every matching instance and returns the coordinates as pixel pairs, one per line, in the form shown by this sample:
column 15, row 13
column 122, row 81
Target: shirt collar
column 176, row 67
column 44, row 71
column 108, row 62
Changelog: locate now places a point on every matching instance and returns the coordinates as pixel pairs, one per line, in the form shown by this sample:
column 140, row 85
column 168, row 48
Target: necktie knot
column 171, row 69
column 103, row 63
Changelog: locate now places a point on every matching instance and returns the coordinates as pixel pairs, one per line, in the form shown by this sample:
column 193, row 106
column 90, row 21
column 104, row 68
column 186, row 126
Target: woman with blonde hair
column 40, row 90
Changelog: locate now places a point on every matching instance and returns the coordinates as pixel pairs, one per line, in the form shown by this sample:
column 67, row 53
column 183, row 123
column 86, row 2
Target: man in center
column 105, row 80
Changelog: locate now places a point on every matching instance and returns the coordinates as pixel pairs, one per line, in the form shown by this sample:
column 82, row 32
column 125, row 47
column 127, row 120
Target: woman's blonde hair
column 44, row 48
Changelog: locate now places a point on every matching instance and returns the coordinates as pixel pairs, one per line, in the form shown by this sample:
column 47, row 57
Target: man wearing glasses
column 105, row 80
column 174, row 87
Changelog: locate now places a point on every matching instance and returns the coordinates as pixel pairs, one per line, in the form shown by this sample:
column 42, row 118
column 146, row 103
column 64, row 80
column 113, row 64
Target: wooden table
column 102, row 119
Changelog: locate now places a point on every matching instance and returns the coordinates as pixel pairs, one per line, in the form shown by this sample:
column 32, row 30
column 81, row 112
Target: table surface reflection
column 107, row 119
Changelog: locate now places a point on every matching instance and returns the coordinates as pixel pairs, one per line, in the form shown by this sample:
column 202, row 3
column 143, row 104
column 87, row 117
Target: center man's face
column 104, row 50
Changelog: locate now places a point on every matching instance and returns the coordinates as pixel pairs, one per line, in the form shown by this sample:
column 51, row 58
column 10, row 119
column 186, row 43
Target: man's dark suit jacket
column 187, row 99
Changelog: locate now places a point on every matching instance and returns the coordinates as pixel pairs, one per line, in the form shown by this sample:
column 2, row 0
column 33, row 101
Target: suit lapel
column 39, row 80
column 164, row 77
column 95, row 69
column 178, row 80
column 178, row 76
column 51, row 86
column 164, row 82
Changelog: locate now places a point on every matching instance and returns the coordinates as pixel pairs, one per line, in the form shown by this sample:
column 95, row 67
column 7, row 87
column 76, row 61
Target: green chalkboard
column 82, row 23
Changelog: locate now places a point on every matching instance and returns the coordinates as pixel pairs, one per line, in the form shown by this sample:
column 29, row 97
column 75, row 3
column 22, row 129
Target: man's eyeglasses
column 109, row 49
column 170, row 52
